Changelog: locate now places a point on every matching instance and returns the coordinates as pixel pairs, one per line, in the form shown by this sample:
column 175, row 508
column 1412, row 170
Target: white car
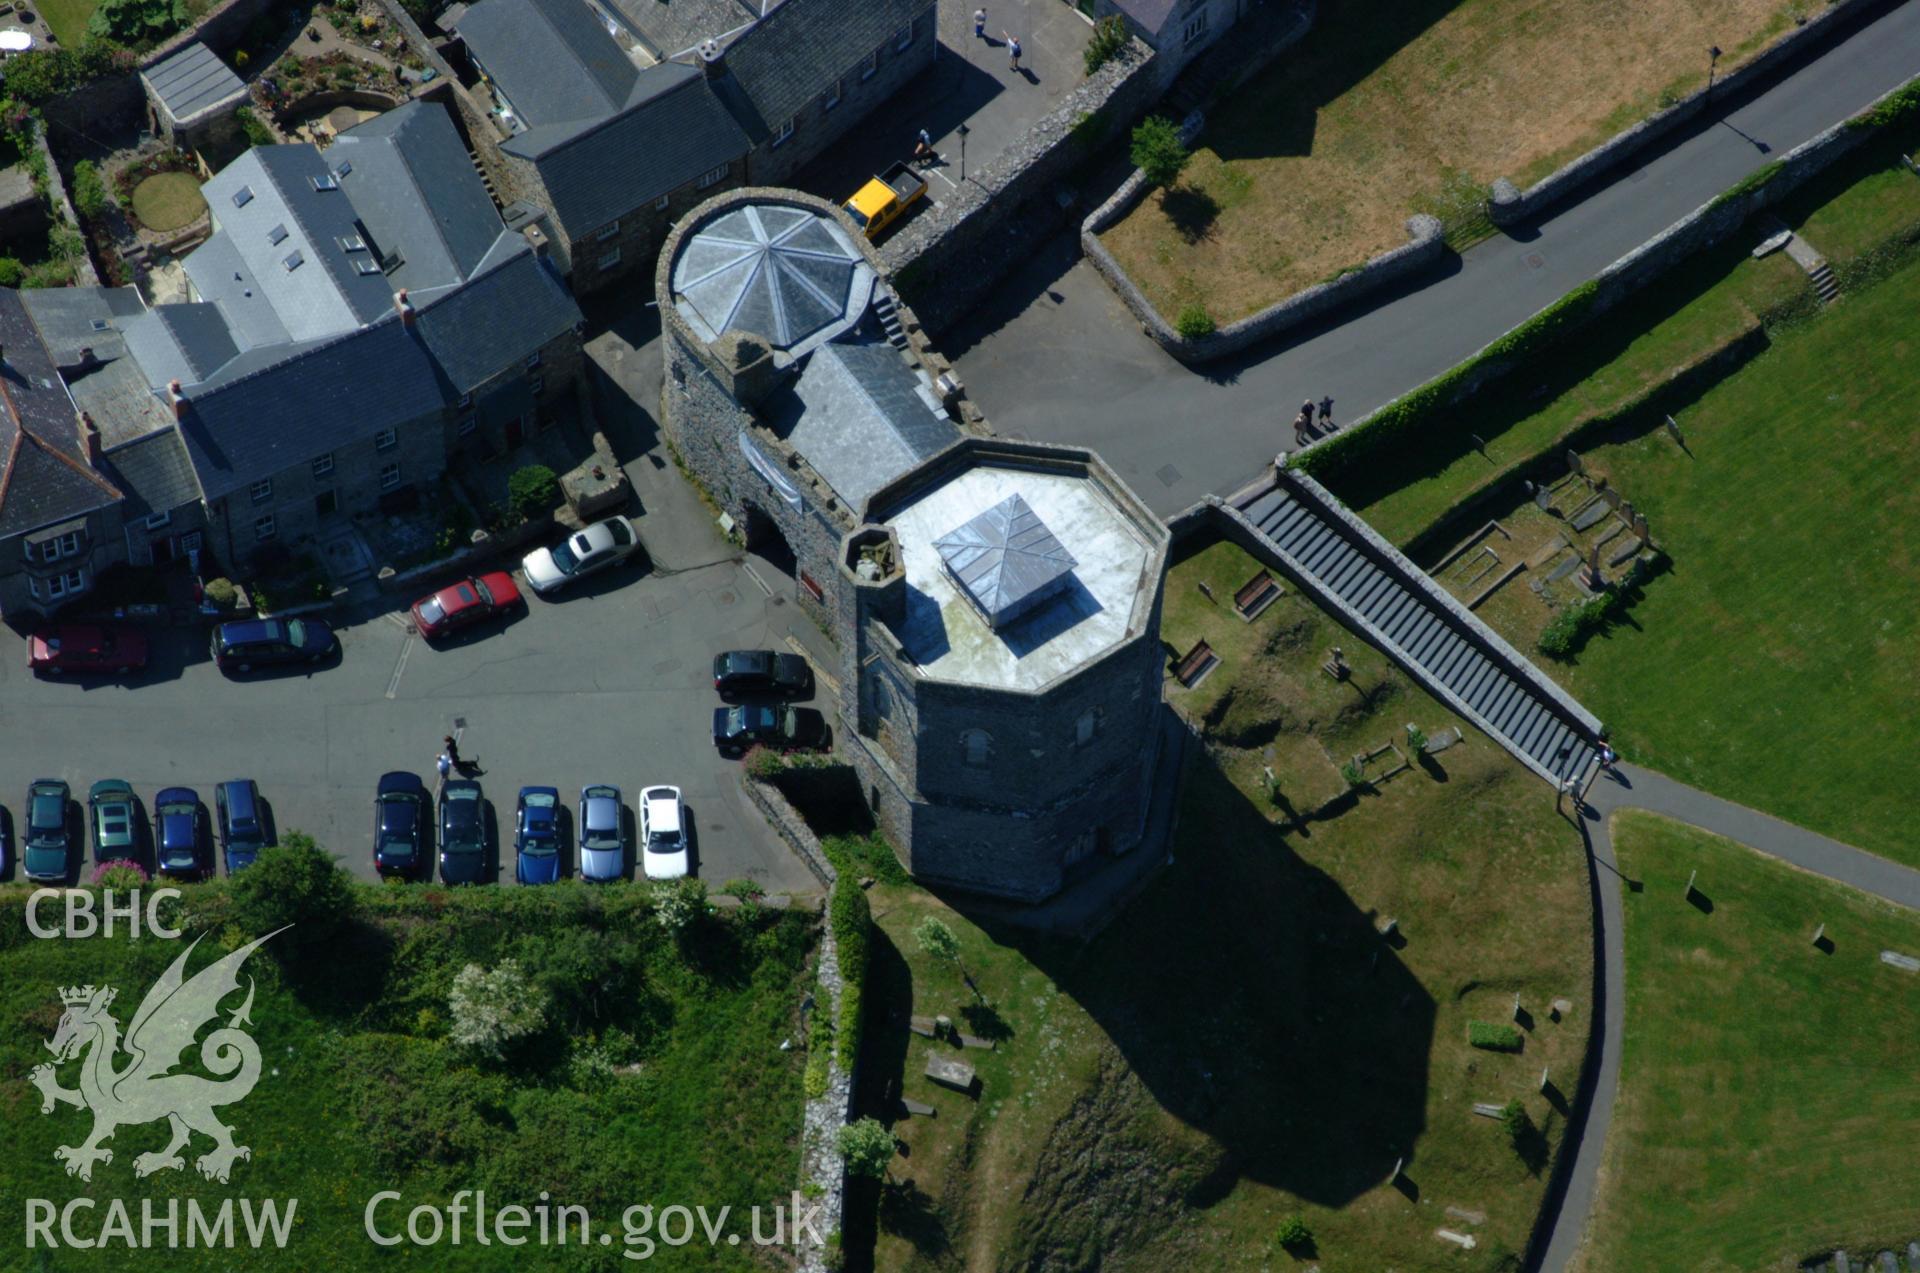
column 663, row 833
column 580, row 554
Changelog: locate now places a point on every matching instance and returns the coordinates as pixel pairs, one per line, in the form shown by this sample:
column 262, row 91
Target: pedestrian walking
column 1013, row 51
column 1326, row 411
column 445, row 765
column 1607, row 756
column 923, row 149
column 979, row 24
column 452, row 749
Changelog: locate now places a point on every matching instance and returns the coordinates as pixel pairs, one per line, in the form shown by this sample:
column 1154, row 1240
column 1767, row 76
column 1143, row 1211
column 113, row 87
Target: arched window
column 1087, row 726
column 976, row 746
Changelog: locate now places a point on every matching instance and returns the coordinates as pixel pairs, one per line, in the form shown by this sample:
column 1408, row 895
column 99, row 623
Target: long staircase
column 1332, row 553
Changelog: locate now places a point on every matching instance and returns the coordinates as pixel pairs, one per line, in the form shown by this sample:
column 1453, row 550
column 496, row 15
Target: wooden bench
column 1261, row 591
column 1195, row 664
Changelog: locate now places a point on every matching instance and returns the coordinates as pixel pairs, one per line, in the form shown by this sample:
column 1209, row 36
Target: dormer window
column 294, row 261
column 243, row 196
column 366, row 266
column 353, row 243
column 346, row 166
column 324, row 181
column 276, row 235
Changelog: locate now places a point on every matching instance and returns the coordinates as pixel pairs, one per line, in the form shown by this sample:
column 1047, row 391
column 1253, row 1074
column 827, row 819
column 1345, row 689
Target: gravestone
column 948, row 1072
column 1612, row 497
column 1640, row 527
column 1204, row 590
column 1464, row 1241
column 1888, row 1264
column 1479, row 443
column 922, row 1026
column 1543, row 1076
column 1487, row 1109
column 1819, row 934
column 1589, row 514
column 1516, row 1005
column 1594, row 579
column 1673, row 431
column 1574, row 464
column 1471, row 1217
column 943, row 1027
column 919, row 1109
column 1394, row 1175
column 975, row 1041
column 1561, row 1007
column 1906, row 963
column 1691, row 875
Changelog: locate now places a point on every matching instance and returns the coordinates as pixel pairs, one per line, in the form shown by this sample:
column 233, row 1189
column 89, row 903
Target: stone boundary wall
column 1510, row 205
column 823, row 1116
column 1700, row 229
column 946, row 259
column 1211, row 512
column 84, row 275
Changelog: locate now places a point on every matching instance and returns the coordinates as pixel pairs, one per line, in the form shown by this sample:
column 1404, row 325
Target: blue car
column 536, row 836
column 49, row 853
column 176, row 848
column 242, row 822
column 401, row 811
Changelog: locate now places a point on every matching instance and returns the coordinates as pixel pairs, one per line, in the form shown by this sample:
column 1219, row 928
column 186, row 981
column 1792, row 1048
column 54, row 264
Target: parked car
column 242, row 822
column 246, row 644
column 113, row 811
column 760, row 672
column 6, row 844
column 49, row 850
column 536, row 836
column 177, row 823
column 885, row 199
column 86, row 648
column 737, row 728
column 663, row 833
column 464, row 604
column 603, row 843
column 581, row 554
column 463, row 833
column 399, row 825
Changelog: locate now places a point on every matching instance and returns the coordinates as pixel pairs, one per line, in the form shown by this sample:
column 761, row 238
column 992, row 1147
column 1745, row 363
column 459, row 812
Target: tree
column 678, row 903
column 89, row 193
column 532, row 491
column 1295, row 1237
column 939, row 941
column 492, row 1009
column 868, row 1148
column 293, row 882
column 1109, row 37
column 137, row 21
column 1158, row 151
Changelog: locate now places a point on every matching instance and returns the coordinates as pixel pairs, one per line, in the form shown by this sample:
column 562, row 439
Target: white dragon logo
column 162, row 1028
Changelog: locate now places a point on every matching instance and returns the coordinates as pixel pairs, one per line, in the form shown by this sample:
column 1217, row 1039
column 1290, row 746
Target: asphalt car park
column 610, row 682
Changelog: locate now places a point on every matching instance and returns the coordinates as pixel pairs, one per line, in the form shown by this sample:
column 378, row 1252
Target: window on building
column 872, row 64
column 190, row 542
column 263, row 527
column 533, row 360
column 1196, row 27
column 831, row 98
column 660, row 204
column 261, row 491
column 783, row 133
column 67, row 585
column 976, row 747
column 904, row 39
column 609, row 260
column 323, row 464
column 713, row 176
column 156, row 520
column 538, row 385
column 466, row 400
column 1087, row 727
column 468, row 424
column 608, row 231
column 67, row 545
column 386, row 439
column 389, row 477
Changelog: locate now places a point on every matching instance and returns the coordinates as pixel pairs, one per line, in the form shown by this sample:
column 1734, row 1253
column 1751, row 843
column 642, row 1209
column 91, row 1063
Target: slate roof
column 674, row 26
column 413, row 184
column 1006, row 561
column 154, row 473
column 674, row 129
column 190, row 80
column 123, row 405
column 66, row 318
column 780, row 271
column 861, row 417
column 551, row 58
column 497, row 320
column 1151, row 15
column 44, row 476
column 790, row 56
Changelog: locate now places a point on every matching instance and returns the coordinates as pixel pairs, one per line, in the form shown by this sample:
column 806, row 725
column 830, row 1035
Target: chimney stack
column 86, row 356
column 536, row 239
column 90, row 439
column 713, row 62
column 178, row 399
column 403, row 306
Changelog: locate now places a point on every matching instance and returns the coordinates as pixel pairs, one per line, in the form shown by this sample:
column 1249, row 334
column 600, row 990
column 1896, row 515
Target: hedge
column 1899, row 105
column 1495, row 1038
column 1398, row 419
column 852, row 921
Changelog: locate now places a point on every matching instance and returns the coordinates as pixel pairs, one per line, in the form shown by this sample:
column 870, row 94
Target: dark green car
column 49, row 851
column 113, row 811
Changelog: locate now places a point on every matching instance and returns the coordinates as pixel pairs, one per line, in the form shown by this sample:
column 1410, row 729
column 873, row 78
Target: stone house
column 355, row 319
column 607, row 120
column 1177, row 30
column 996, row 604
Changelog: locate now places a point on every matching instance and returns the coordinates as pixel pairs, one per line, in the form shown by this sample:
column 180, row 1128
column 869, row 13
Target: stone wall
column 1510, row 205
column 947, row 258
column 61, row 207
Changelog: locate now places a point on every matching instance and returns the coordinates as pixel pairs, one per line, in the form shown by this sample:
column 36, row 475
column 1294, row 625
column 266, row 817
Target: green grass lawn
column 168, row 200
column 67, row 19
column 1767, row 1099
column 1862, row 204
column 658, row 1077
column 1779, row 663
column 1240, row 1044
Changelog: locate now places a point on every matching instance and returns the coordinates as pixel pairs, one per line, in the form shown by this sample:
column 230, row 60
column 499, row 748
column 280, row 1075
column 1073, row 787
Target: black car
column 463, row 834
column 760, row 672
column 400, row 825
column 250, row 643
column 737, row 728
column 49, row 839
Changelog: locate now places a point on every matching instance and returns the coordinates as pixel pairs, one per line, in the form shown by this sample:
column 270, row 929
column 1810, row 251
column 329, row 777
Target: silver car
column 603, row 845
column 582, row 553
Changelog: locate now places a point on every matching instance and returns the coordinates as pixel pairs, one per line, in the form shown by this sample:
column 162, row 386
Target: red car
column 464, row 604
column 78, row 648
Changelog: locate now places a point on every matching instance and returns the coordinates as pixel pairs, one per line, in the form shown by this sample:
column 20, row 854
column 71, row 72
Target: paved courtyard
column 609, row 684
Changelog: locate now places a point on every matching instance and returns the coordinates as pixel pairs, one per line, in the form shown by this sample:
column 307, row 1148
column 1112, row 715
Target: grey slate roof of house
column 674, row 26
column 497, row 320
column 791, row 55
column 551, row 58
column 862, row 417
column 192, row 79
column 120, row 401
column 411, row 180
column 1151, row 15
column 67, row 318
column 1005, row 560
column 44, row 476
column 154, row 473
